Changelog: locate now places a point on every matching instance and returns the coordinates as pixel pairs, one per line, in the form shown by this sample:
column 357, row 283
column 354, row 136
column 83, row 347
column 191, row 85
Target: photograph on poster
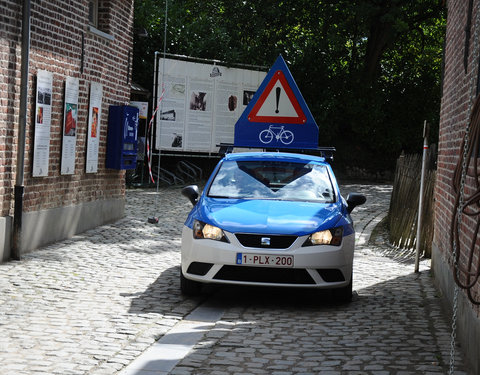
column 177, row 140
column 94, row 122
column 232, row 103
column 169, row 115
column 44, row 96
column 71, row 119
column 247, row 96
column 176, row 91
column 198, row 101
column 40, row 115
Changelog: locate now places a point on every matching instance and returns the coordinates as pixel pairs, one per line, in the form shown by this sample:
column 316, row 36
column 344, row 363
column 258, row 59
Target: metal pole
column 420, row 198
column 155, row 104
column 153, row 119
column 154, row 219
column 22, row 125
column 159, row 128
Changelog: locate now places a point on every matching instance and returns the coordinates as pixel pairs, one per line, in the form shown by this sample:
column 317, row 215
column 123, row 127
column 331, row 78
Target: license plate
column 265, row 260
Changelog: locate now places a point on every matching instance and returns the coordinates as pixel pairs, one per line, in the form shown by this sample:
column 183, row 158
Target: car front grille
column 264, row 275
column 265, row 241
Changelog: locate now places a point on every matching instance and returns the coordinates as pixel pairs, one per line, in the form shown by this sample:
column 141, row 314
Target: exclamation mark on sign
column 278, row 90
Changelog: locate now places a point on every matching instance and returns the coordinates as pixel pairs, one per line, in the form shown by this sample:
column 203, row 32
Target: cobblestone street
column 94, row 303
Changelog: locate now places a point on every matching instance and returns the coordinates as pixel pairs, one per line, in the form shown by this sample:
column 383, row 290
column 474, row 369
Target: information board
column 201, row 103
column 94, row 123
column 70, row 119
column 43, row 119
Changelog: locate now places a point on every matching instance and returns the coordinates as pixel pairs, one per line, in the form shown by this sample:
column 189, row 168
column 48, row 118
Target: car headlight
column 325, row 237
column 207, row 231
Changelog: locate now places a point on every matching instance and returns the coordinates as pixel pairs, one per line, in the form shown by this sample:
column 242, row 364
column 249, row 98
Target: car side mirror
column 191, row 192
column 354, row 200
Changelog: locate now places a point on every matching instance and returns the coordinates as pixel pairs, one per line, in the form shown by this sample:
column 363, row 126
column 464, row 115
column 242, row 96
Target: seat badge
column 265, row 241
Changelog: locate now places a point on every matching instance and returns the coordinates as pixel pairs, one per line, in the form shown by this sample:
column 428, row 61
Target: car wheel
column 344, row 295
column 189, row 287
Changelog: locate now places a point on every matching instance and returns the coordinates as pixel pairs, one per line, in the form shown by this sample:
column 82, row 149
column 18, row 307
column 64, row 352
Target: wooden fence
column 403, row 213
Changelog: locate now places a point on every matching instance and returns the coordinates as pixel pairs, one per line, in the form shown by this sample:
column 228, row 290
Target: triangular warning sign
column 278, row 103
column 277, row 116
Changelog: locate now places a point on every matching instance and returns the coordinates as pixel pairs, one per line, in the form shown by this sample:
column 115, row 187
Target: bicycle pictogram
column 278, row 132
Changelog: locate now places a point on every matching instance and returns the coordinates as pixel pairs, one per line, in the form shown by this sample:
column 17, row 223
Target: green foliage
column 370, row 70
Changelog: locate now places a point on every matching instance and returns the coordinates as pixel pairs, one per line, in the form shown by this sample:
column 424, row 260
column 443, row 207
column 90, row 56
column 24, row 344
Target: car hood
column 267, row 216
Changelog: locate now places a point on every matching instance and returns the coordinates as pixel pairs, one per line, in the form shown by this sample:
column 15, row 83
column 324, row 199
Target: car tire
column 189, row 287
column 344, row 294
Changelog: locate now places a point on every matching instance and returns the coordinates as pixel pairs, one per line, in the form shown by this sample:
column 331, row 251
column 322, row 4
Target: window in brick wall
column 93, row 13
column 99, row 18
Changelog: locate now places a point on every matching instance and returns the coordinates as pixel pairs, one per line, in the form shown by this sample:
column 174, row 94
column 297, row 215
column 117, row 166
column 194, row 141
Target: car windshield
column 273, row 180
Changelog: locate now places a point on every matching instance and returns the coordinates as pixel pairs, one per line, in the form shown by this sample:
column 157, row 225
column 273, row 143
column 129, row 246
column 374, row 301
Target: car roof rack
column 225, row 148
column 325, row 152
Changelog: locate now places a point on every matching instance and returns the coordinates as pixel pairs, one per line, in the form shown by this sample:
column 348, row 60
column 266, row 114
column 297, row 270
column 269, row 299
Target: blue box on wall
column 122, row 145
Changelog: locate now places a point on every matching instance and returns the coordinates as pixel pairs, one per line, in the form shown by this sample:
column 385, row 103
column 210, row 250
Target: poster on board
column 70, row 118
column 43, row 119
column 201, row 103
column 93, row 132
column 143, row 115
column 142, row 109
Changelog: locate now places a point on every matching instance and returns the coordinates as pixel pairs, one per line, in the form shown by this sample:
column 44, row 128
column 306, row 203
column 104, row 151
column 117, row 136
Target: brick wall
column 459, row 87
column 57, row 30
column 56, row 46
column 9, row 80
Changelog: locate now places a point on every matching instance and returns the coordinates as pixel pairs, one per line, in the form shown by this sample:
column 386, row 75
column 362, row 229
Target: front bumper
column 322, row 266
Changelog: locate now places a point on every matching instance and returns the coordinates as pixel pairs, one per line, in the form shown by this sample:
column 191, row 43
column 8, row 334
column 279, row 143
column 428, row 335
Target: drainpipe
column 22, row 125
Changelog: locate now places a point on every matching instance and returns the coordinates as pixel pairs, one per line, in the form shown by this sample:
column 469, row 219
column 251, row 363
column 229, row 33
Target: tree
column 370, row 70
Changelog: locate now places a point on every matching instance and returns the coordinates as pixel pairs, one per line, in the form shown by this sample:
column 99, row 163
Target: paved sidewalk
column 94, row 303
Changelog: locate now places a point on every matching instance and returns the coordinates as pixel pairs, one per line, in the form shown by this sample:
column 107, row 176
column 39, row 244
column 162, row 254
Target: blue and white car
column 269, row 219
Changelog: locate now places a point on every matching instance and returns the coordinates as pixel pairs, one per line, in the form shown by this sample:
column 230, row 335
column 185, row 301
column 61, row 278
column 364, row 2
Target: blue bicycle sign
column 278, row 132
